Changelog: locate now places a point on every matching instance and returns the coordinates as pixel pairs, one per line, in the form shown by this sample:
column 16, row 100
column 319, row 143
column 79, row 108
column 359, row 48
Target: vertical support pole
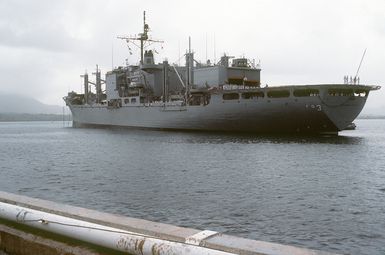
column 85, row 76
column 98, row 85
column 191, row 63
column 187, row 77
column 189, row 69
column 165, row 81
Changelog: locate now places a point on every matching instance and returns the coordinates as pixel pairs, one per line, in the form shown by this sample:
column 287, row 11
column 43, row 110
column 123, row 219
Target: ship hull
column 322, row 114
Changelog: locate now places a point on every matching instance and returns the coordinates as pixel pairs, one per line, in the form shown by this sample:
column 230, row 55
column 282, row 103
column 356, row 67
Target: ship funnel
column 149, row 58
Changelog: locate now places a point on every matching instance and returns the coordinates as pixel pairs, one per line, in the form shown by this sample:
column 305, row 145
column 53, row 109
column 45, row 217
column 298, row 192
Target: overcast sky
column 45, row 44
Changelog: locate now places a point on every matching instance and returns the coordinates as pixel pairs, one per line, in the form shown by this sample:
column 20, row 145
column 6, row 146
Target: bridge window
column 360, row 93
column 251, row 95
column 306, row 92
column 340, row 92
column 278, row 93
column 231, row 96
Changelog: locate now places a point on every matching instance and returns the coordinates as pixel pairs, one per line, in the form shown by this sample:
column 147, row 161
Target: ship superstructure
column 224, row 96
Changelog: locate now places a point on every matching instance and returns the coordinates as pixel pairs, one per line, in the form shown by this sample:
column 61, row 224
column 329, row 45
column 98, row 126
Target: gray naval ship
column 223, row 96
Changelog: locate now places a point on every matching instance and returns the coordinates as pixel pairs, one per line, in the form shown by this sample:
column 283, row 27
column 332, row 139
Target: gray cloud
column 44, row 25
column 46, row 38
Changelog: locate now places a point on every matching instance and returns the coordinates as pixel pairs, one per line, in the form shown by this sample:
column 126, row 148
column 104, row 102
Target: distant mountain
column 22, row 104
column 12, row 117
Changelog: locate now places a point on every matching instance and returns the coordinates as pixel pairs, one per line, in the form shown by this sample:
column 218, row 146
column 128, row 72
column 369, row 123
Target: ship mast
column 142, row 37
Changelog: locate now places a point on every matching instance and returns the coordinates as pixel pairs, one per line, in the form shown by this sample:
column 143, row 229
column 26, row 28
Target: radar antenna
column 142, row 37
column 363, row 55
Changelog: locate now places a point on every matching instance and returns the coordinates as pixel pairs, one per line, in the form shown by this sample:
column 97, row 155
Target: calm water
column 325, row 193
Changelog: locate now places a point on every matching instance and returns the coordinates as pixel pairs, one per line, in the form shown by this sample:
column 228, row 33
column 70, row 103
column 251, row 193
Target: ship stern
column 343, row 103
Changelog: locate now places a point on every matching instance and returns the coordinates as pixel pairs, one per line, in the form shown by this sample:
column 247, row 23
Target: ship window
column 360, row 93
column 251, row 95
column 231, row 96
column 306, row 92
column 252, row 83
column 126, row 101
column 235, row 81
column 278, row 93
column 340, row 92
column 133, row 100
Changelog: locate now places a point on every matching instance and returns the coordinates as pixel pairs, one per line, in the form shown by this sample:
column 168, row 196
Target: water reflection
column 288, row 189
column 238, row 138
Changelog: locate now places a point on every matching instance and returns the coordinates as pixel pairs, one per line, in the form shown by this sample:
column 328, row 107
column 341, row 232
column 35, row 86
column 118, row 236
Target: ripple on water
column 316, row 192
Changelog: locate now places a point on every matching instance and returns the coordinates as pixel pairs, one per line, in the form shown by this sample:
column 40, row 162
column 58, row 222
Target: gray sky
column 46, row 44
